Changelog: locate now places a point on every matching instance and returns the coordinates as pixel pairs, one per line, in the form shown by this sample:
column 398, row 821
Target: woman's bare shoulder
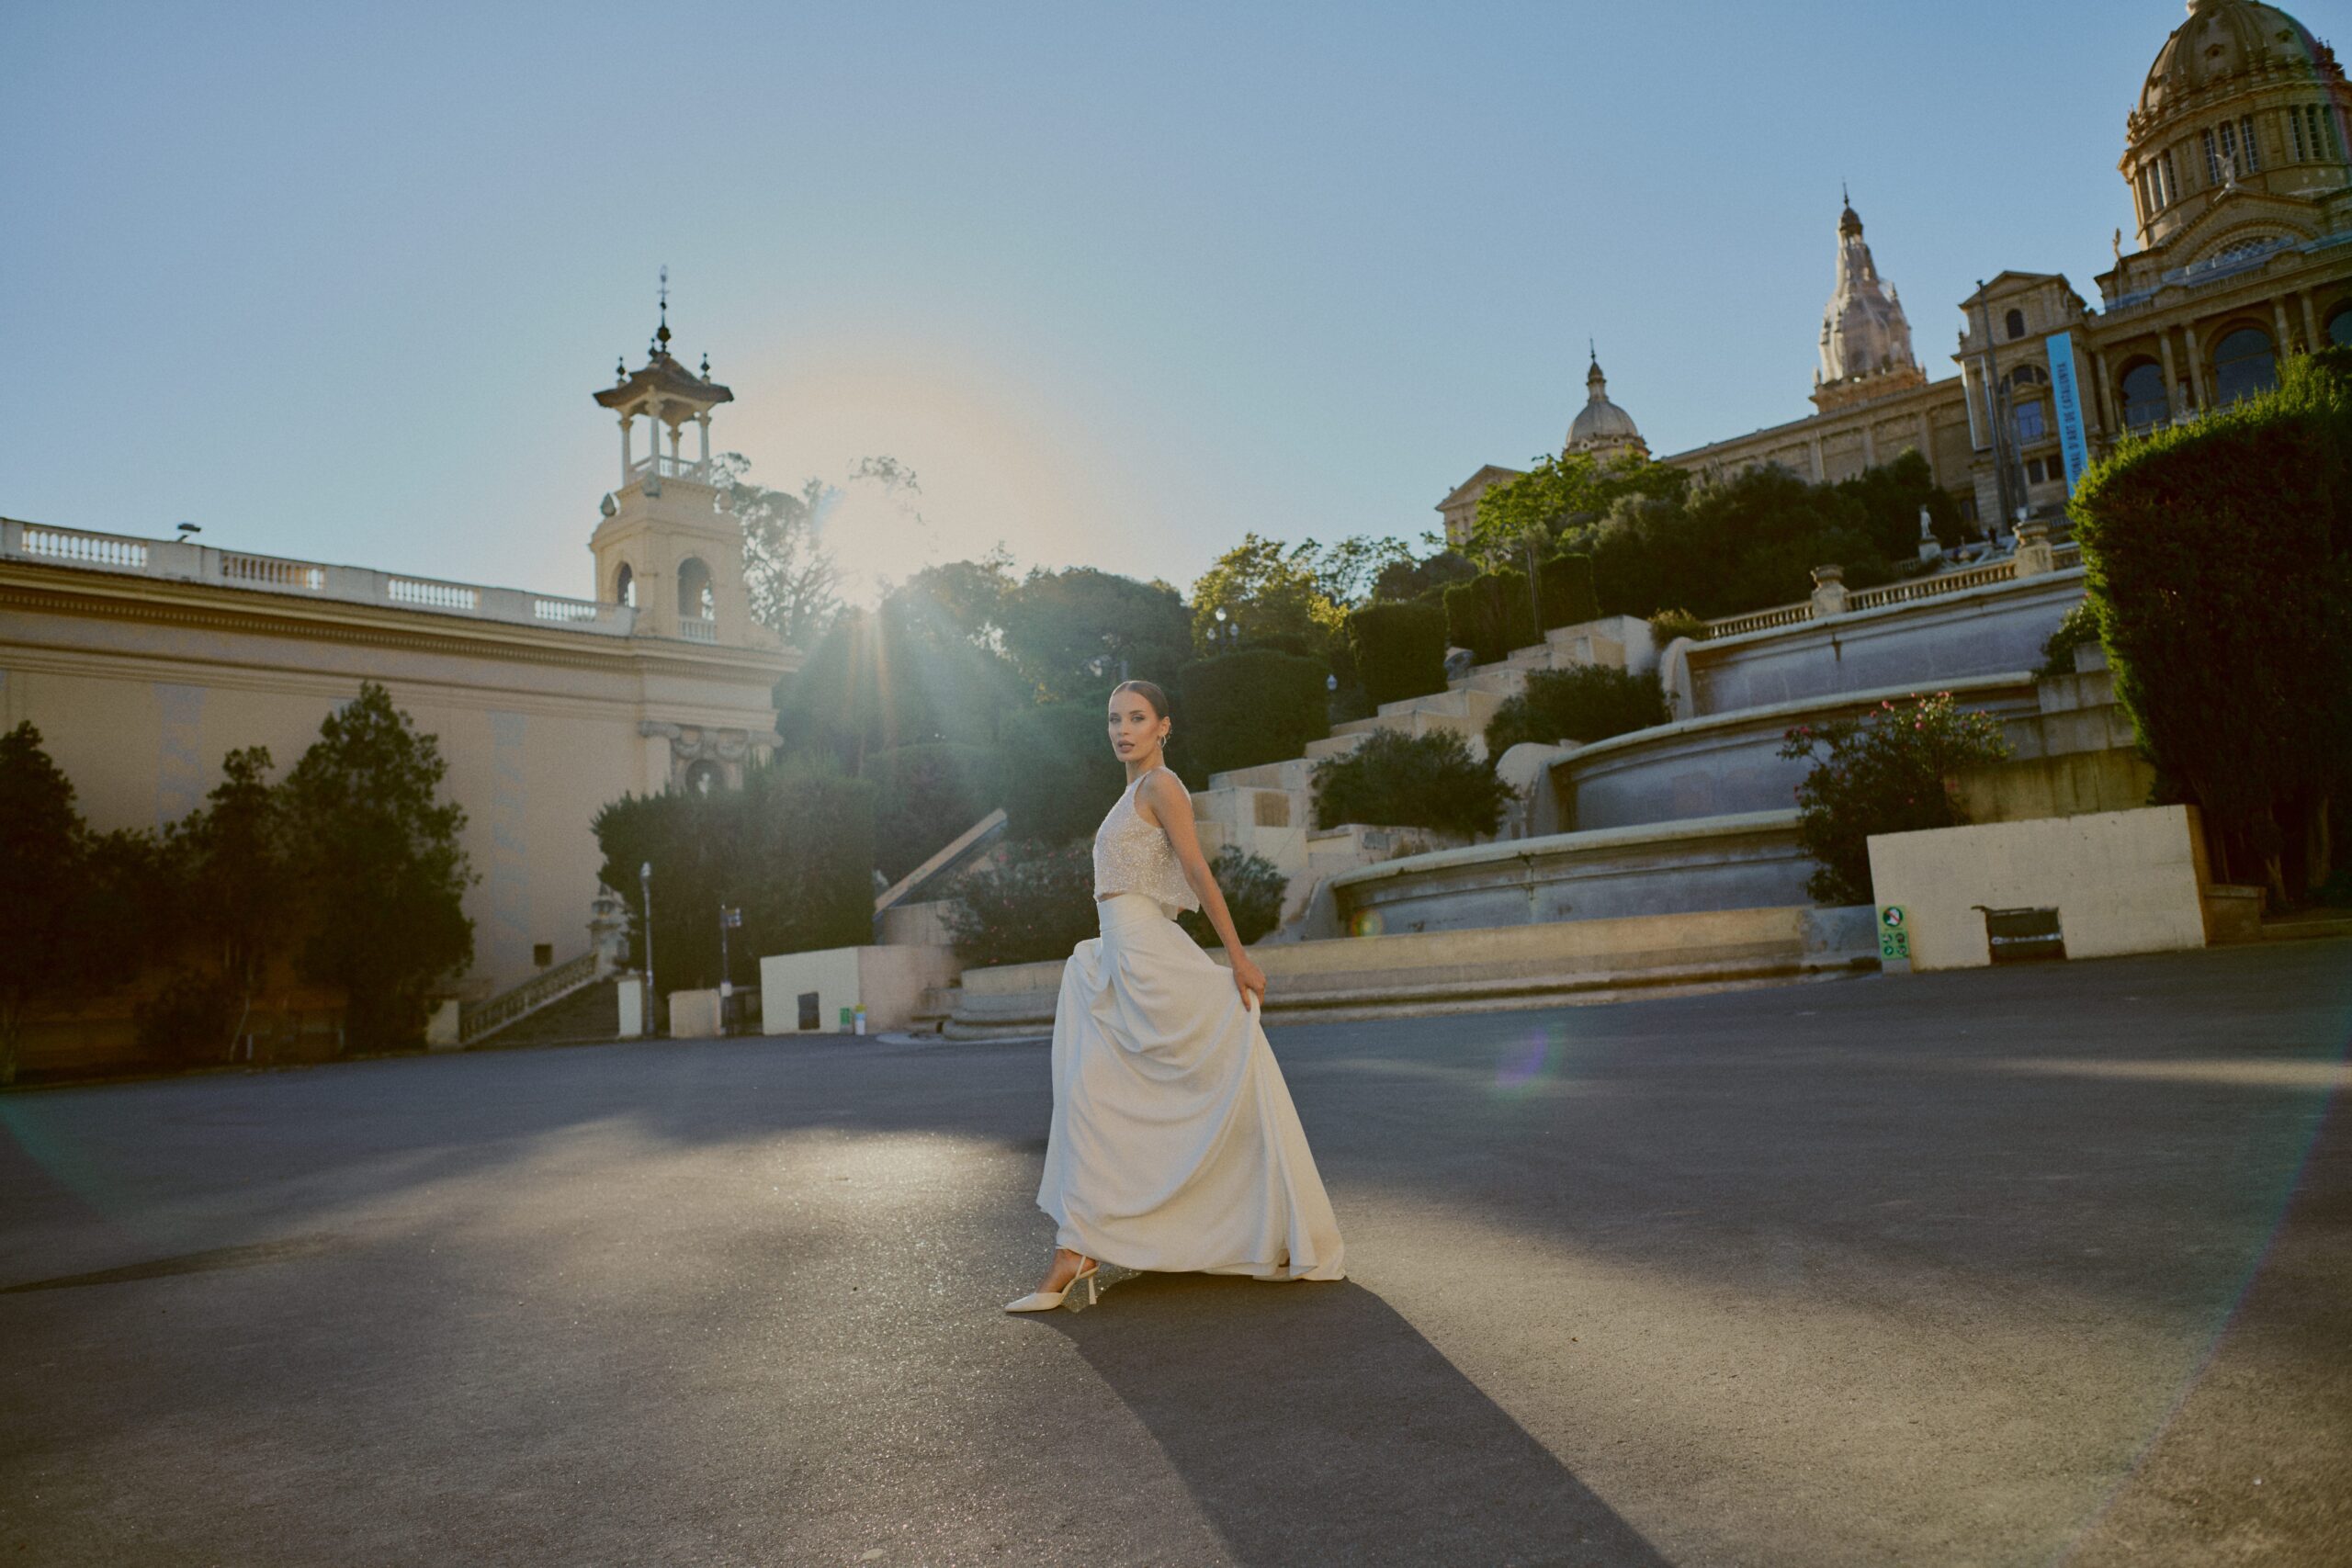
column 1162, row 790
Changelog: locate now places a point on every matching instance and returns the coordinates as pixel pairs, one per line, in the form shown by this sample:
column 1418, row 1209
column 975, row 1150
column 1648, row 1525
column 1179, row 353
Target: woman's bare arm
column 1171, row 808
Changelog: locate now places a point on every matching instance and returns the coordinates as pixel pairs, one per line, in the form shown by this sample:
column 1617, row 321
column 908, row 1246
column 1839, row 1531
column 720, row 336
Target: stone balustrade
column 186, row 561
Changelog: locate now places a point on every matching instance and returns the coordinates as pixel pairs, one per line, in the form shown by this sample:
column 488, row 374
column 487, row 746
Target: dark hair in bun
column 1148, row 692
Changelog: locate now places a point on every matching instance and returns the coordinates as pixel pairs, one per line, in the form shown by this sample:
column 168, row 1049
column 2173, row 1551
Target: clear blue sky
column 1117, row 282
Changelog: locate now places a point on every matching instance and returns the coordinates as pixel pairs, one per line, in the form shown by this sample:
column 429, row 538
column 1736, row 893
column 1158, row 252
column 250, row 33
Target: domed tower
column 2241, row 100
column 1600, row 427
column 667, row 545
column 1865, row 337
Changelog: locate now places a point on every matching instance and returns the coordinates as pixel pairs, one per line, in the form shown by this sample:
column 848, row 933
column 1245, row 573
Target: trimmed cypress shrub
column 2219, row 555
column 1256, row 706
column 1410, row 781
column 1489, row 614
column 1565, row 582
column 1400, row 650
column 1584, row 705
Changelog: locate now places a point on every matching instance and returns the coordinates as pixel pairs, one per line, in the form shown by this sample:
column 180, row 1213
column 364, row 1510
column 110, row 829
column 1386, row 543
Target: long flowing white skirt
column 1174, row 1144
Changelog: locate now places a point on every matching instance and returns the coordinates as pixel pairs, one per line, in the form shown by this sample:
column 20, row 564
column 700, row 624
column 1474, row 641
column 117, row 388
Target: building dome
column 1863, row 331
column 1601, row 427
column 2223, row 42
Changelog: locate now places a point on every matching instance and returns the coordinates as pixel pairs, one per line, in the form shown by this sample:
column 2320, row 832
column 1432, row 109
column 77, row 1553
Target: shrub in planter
column 1038, row 903
column 1583, row 705
column 1400, row 650
column 1253, row 887
column 2079, row 627
column 1667, row 625
column 1883, row 773
column 1410, row 781
column 1236, row 710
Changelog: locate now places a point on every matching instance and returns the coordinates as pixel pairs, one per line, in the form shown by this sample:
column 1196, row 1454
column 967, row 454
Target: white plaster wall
column 2121, row 881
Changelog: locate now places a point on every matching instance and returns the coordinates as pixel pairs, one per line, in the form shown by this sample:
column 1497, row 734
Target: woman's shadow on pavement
column 1315, row 1425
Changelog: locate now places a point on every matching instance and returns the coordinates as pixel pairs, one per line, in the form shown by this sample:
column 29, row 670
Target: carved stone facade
column 2236, row 162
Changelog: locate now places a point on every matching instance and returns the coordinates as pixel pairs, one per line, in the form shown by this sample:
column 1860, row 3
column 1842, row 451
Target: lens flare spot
column 1367, row 922
column 1524, row 1060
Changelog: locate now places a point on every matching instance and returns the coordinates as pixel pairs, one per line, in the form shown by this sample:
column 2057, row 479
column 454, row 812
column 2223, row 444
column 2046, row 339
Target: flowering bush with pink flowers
column 1887, row 771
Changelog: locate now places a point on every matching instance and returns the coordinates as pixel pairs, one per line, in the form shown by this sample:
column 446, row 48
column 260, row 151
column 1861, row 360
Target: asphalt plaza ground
column 2046, row 1264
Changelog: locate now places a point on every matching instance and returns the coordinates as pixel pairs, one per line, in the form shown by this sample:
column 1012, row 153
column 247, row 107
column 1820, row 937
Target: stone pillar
column 625, row 449
column 2310, row 322
column 2286, row 338
column 703, row 419
column 1870, row 449
column 2103, row 404
column 1817, row 474
column 2035, row 554
column 2196, row 366
column 2172, row 377
column 1828, row 591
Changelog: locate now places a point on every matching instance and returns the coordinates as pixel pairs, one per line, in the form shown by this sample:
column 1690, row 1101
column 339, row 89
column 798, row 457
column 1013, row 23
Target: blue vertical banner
column 2066, row 391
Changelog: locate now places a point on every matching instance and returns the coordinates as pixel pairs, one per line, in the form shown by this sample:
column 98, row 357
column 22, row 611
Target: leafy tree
column 1267, row 590
column 1077, row 633
column 794, row 583
column 1559, row 492
column 375, row 852
column 42, row 856
column 906, row 673
column 1058, row 759
column 1411, row 579
column 1414, row 781
column 231, row 877
column 1891, row 496
column 1888, row 772
column 2219, row 555
column 926, row 796
column 1584, row 705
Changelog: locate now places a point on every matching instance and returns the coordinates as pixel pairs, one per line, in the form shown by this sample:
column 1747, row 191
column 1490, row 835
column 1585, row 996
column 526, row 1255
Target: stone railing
column 1835, row 599
column 182, row 561
column 547, row 985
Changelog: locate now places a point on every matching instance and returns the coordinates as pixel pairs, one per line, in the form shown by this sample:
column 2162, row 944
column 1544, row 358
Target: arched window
column 2243, row 364
column 696, row 602
column 2339, row 326
column 2015, row 322
column 624, row 586
column 2143, row 396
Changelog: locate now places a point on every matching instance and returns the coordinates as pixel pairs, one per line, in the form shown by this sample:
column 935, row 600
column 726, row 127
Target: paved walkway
column 2018, row 1267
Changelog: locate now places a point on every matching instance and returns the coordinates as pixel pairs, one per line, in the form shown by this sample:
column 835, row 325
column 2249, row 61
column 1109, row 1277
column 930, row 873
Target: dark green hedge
column 1400, row 650
column 1583, row 705
column 925, row 795
column 1410, row 781
column 2220, row 557
column 1257, row 705
column 1061, row 772
column 1491, row 613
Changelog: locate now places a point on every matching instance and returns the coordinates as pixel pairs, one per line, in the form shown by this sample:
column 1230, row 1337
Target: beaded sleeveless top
column 1133, row 856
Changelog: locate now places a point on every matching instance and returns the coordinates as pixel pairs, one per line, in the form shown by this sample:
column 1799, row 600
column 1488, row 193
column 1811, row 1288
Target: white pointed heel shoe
column 1047, row 1300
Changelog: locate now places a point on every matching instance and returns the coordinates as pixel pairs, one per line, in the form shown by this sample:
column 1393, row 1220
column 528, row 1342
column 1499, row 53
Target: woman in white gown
column 1174, row 1145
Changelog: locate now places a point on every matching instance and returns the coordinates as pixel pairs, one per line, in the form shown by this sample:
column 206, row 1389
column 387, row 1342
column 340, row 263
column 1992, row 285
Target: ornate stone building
column 2235, row 161
column 142, row 662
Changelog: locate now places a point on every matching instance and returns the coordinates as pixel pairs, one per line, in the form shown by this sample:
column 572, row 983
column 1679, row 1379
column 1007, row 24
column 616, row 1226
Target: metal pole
column 644, row 881
column 723, row 987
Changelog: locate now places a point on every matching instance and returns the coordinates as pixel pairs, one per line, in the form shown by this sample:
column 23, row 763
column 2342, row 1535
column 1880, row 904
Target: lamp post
column 728, row 919
column 645, row 883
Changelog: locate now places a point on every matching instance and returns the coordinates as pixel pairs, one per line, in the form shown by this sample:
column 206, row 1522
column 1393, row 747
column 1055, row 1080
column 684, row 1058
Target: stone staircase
column 1268, row 810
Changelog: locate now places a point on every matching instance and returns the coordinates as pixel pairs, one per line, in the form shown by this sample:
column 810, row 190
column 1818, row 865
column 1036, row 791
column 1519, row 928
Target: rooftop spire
column 661, row 338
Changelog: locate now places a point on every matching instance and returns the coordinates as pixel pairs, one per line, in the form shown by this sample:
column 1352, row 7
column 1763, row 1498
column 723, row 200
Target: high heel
column 1047, row 1300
